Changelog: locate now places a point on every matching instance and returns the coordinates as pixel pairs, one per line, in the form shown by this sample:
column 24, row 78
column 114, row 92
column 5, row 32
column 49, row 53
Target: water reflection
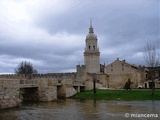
column 79, row 109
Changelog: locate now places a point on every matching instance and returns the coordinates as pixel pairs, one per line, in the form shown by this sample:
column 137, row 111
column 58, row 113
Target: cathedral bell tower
column 91, row 53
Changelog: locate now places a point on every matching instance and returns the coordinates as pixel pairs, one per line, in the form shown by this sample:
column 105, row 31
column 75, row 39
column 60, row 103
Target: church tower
column 91, row 53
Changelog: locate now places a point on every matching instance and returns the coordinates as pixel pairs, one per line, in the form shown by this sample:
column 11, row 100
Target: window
column 89, row 47
column 122, row 66
column 93, row 47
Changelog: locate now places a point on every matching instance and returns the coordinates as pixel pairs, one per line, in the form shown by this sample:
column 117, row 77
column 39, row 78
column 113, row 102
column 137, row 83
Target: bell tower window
column 93, row 47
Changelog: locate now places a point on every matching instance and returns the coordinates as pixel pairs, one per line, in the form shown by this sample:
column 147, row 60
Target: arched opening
column 29, row 94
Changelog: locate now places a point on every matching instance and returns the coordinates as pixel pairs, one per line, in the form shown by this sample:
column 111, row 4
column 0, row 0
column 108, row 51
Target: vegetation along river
column 76, row 109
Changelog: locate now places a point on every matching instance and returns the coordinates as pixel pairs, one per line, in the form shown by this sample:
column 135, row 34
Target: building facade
column 120, row 72
column 153, row 77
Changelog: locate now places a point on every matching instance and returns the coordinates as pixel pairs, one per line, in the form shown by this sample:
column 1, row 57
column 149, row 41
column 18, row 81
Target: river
column 71, row 109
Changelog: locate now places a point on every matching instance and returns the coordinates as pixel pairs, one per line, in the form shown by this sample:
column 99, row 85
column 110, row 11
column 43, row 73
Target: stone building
column 120, row 71
column 153, row 73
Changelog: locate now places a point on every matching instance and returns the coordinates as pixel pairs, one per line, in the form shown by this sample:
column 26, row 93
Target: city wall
column 39, row 87
column 118, row 81
column 9, row 93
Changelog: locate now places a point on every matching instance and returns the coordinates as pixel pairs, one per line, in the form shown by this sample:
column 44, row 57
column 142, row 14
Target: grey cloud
column 122, row 27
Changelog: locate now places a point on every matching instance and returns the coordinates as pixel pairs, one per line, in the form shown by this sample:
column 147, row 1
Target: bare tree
column 25, row 68
column 151, row 57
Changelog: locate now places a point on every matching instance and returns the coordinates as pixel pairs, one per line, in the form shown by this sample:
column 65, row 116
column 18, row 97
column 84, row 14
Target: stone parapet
column 48, row 75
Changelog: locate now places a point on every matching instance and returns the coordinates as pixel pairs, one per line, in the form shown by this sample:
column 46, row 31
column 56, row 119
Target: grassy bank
column 119, row 95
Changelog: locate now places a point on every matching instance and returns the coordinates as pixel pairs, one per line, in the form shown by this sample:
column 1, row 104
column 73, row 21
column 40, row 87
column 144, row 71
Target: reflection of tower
column 92, row 54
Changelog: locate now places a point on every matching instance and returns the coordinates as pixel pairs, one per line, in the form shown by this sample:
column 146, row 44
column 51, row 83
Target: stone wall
column 48, row 93
column 66, row 89
column 119, row 80
column 81, row 72
column 9, row 93
column 41, row 87
column 100, row 79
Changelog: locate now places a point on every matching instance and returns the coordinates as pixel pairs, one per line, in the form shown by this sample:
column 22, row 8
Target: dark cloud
column 51, row 34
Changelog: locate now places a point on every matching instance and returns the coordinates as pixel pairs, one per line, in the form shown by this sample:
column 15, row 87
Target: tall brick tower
column 91, row 53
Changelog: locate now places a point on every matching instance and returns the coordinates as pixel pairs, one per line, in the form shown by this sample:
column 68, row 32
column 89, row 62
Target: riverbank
column 119, row 95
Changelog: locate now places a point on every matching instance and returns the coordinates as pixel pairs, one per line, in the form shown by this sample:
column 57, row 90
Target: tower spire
column 90, row 23
column 91, row 28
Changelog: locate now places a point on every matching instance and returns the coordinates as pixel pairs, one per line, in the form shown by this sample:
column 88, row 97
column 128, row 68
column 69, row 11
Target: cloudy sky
column 51, row 33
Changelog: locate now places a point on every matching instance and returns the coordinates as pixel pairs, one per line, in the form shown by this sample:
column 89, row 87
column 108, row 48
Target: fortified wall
column 40, row 87
column 118, row 80
column 9, row 93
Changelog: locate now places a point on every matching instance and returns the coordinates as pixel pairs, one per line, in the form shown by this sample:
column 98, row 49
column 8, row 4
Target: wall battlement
column 81, row 69
column 62, row 75
column 12, row 76
column 81, row 66
column 48, row 75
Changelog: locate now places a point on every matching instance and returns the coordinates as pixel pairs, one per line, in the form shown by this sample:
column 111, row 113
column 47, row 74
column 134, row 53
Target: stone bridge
column 14, row 89
column 29, row 83
column 48, row 90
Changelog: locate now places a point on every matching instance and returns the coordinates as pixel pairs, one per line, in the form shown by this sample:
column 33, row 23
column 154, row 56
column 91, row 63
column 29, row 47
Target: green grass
column 119, row 95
